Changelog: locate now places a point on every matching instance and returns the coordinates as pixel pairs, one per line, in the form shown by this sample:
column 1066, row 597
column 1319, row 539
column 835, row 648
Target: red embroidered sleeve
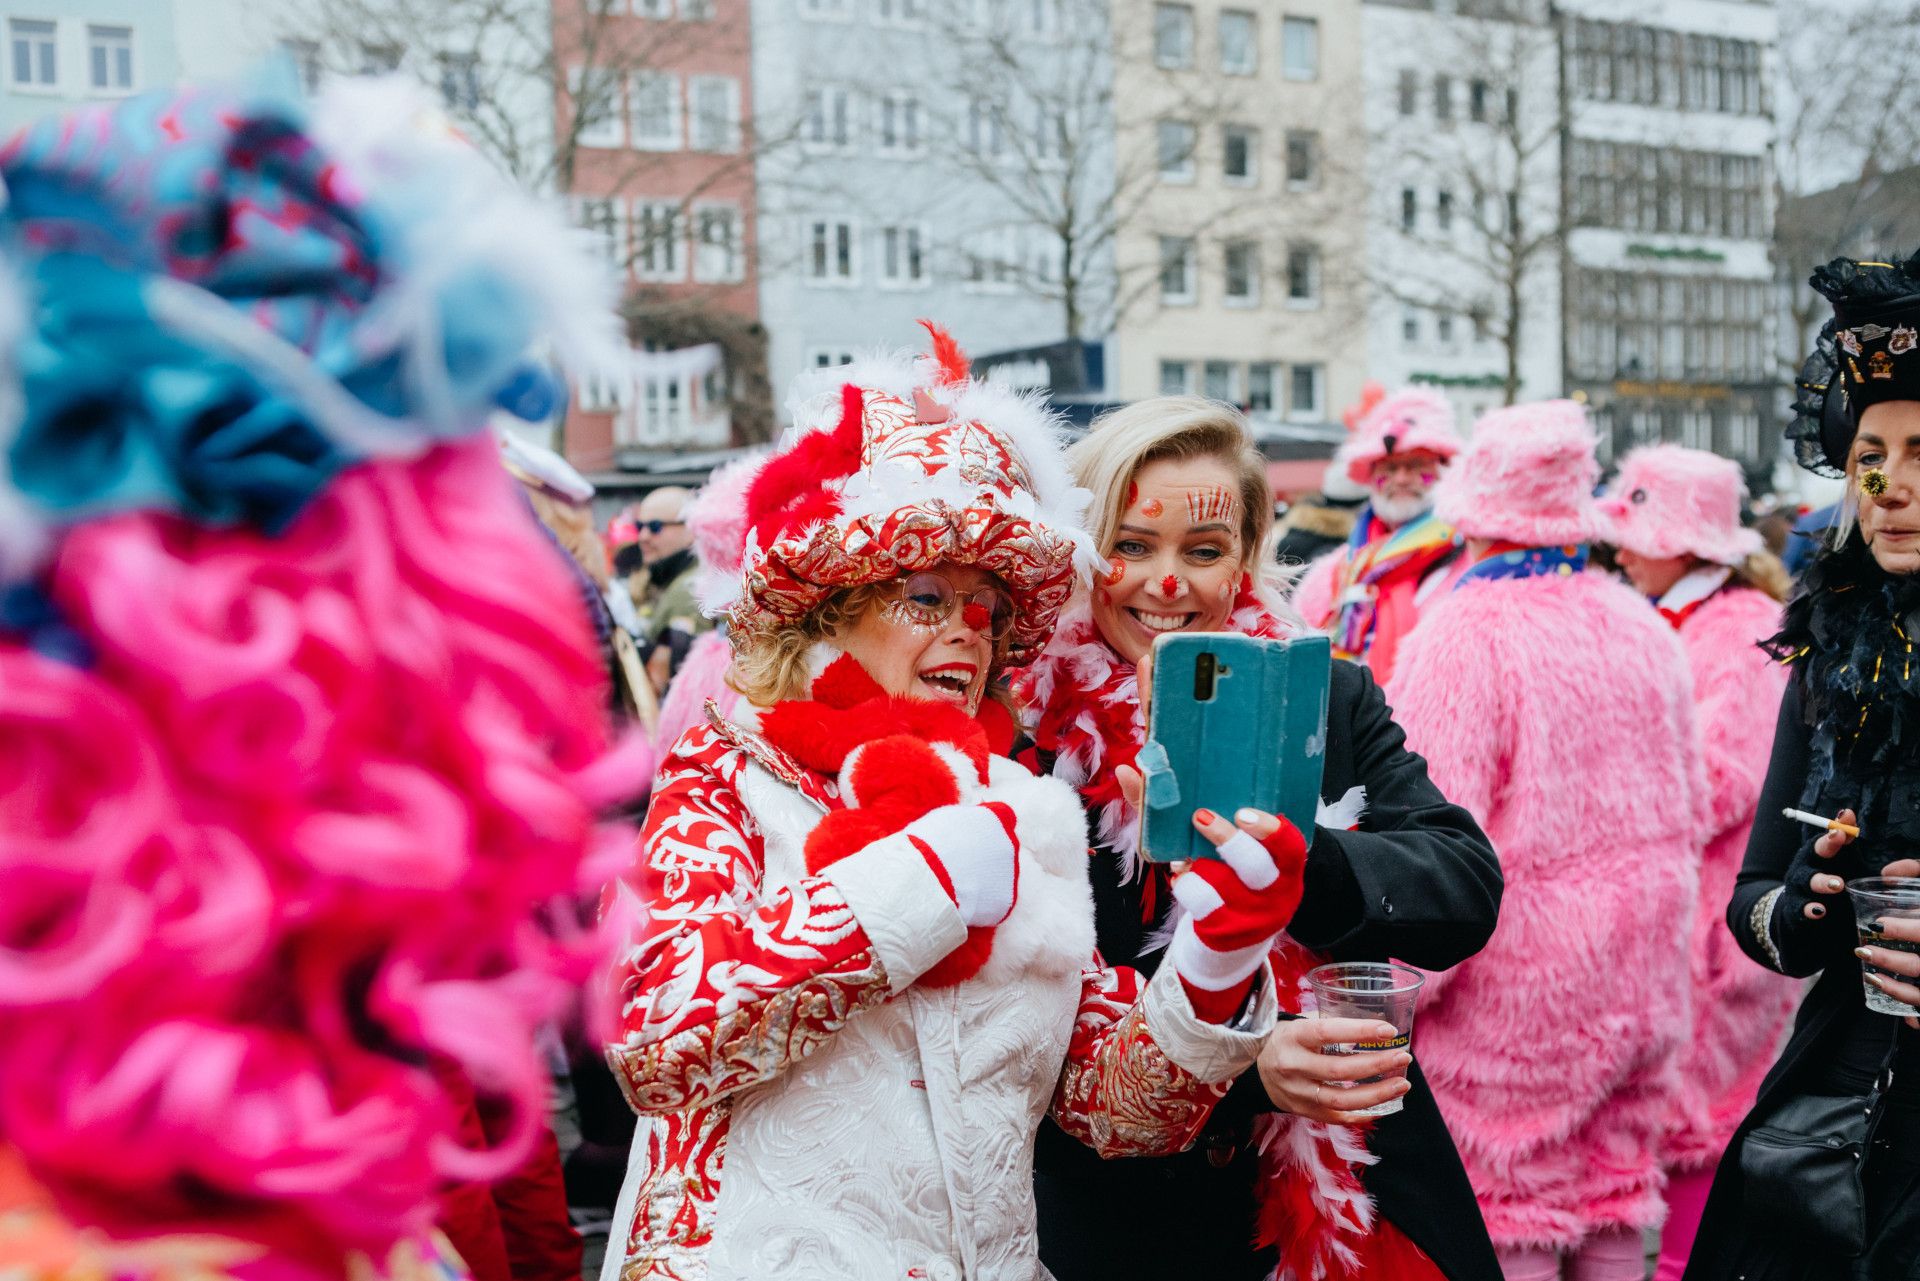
column 1120, row 1094
column 726, row 984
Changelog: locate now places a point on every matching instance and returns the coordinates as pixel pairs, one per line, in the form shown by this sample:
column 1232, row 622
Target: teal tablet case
column 1260, row 740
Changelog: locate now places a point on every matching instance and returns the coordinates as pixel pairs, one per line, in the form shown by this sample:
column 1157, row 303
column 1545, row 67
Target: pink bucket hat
column 1672, row 501
column 1413, row 420
column 1527, row 476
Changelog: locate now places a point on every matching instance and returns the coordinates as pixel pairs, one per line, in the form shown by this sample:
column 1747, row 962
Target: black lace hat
column 1868, row 352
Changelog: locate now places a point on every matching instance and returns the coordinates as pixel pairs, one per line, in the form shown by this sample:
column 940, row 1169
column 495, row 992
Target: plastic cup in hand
column 1380, row 991
column 1875, row 898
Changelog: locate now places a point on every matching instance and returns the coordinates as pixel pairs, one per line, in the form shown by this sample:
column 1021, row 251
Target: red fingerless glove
column 1237, row 906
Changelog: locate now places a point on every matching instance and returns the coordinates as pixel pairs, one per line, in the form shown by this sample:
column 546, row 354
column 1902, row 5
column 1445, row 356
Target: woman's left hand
column 1907, row 930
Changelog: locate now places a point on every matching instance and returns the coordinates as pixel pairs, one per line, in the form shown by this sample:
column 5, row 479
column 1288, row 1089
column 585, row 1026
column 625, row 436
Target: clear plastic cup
column 1874, row 899
column 1381, row 991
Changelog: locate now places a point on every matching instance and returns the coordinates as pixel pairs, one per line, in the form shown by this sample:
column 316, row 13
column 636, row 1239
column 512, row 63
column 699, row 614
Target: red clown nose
column 977, row 616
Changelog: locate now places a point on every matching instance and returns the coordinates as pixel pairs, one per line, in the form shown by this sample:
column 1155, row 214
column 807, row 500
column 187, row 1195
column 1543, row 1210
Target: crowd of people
column 355, row 788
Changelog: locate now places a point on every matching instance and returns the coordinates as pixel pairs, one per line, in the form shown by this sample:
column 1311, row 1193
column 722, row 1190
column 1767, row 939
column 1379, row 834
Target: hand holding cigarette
column 1814, row 820
column 1842, row 829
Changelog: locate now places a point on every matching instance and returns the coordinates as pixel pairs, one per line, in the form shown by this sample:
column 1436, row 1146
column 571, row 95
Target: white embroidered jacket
column 806, row 1111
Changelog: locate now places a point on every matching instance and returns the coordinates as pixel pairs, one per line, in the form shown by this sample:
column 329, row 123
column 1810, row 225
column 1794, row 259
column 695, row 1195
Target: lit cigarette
column 1814, row 820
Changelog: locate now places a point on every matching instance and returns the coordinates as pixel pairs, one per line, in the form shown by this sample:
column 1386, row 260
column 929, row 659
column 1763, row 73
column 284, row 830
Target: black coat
column 1419, row 884
column 1837, row 1042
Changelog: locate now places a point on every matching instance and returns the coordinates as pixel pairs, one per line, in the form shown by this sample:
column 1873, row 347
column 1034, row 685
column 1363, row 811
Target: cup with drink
column 1383, row 991
column 1877, row 899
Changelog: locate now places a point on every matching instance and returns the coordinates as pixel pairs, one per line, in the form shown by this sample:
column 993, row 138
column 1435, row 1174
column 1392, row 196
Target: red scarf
column 1084, row 702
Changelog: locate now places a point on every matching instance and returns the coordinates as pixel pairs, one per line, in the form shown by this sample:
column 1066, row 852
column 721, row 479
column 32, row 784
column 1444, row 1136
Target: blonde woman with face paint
column 1182, row 514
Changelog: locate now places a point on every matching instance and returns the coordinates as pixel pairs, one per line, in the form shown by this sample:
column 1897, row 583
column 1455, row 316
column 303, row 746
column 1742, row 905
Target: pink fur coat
column 1741, row 1010
column 1559, row 711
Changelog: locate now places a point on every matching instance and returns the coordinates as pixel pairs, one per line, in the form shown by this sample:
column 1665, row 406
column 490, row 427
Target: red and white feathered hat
column 1410, row 421
column 896, row 464
column 1673, row 501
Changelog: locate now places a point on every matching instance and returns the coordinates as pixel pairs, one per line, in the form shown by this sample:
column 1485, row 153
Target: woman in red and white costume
column 1675, row 517
column 1287, row 1175
column 869, row 970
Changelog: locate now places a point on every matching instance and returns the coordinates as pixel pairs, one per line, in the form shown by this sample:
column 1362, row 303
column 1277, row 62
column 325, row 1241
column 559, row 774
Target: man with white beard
column 1368, row 594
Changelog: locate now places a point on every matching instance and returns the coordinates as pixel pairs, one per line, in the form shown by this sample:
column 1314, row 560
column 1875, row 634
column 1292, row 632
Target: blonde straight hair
column 1108, row 458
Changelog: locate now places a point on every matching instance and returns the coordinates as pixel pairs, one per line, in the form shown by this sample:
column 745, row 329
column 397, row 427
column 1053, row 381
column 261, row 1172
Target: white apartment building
column 1240, row 275
column 1668, row 267
column 64, row 53
column 1463, row 199
column 905, row 167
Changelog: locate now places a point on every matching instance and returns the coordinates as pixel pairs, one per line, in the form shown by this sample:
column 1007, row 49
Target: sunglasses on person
column 927, row 599
column 655, row 526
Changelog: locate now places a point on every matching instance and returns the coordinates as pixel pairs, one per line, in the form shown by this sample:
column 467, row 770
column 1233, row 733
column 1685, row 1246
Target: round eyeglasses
column 927, row 599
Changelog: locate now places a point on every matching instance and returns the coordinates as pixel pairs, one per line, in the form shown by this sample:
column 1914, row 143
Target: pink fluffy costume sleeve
column 1558, row 711
column 1313, row 594
column 1741, row 1009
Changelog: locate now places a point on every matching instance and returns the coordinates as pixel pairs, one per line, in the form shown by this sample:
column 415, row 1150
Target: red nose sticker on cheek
column 976, row 616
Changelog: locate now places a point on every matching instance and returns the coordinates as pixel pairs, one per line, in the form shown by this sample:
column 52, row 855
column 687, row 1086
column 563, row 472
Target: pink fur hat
column 1527, row 477
column 1413, row 420
column 1672, row 501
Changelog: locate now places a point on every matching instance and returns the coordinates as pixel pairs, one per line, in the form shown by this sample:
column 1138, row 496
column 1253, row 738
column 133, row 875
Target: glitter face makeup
column 1873, row 482
column 1212, row 503
column 1153, row 508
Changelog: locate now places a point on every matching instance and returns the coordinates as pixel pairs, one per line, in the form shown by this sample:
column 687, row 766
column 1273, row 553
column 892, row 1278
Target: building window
column 829, row 357
column 1043, row 18
column 1243, row 273
column 986, row 129
column 828, row 10
column 1306, row 394
column 603, row 218
column 716, row 113
column 1409, row 325
column 1173, row 36
column 903, row 256
column 1303, row 275
column 655, row 102
column 305, row 56
column 1217, row 381
column 35, row 61
column 830, row 256
column 659, row 252
column 379, row 59
column 1176, row 270
column 1443, row 99
column 1239, row 43
column 828, row 125
column 717, row 254
column 1477, row 102
column 1409, row 91
column 1260, row 384
column 1050, row 141
column 599, row 395
column 697, row 10
column 992, row 261
column 653, row 8
column 460, row 81
column 1300, row 48
column 1176, row 378
column 1443, row 211
column 1409, row 209
column 1176, row 151
column 1239, row 155
column 900, row 13
column 1443, row 326
column 110, row 59
column 1480, row 327
column 1303, row 159
column 900, row 125
column 595, row 93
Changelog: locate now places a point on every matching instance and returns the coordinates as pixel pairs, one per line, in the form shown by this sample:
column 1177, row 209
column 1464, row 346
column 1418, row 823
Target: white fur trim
column 1344, row 814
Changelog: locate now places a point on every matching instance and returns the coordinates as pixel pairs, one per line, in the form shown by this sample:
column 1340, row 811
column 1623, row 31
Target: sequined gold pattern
column 1760, row 921
column 1120, row 1094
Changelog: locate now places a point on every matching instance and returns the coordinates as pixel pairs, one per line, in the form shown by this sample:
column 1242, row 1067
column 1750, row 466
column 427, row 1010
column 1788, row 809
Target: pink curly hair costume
column 1526, row 477
column 286, row 787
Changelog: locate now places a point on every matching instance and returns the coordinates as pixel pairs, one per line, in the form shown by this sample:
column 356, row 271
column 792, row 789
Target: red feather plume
column 791, row 485
column 954, row 365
